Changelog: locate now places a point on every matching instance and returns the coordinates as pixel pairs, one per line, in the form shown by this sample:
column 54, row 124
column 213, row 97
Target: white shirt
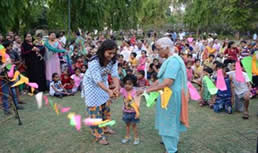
column 126, row 52
column 63, row 40
column 240, row 87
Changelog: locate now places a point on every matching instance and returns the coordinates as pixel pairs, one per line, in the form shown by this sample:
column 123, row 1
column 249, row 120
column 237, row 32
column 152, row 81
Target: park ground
column 45, row 132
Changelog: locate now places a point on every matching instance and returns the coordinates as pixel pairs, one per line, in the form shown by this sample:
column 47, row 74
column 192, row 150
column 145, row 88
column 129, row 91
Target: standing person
column 95, row 86
column 172, row 74
column 53, row 47
column 35, row 65
column 5, row 84
column 63, row 38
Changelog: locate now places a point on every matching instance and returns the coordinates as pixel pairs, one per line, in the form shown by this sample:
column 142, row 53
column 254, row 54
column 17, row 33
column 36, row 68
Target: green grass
column 45, row 132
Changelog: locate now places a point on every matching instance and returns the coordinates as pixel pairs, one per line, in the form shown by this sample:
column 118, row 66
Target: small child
column 77, row 78
column 153, row 78
column 189, row 71
column 142, row 61
column 133, row 60
column 67, row 82
column 56, row 88
column 129, row 113
column 224, row 99
column 206, row 96
column 141, row 81
column 84, row 69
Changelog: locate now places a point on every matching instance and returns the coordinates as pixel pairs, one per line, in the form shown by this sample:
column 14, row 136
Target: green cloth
column 247, row 64
column 52, row 49
column 151, row 98
column 210, row 85
column 206, row 96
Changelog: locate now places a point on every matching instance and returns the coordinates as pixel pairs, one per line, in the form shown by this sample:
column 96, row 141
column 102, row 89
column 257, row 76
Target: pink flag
column 10, row 73
column 193, row 92
column 33, row 85
column 65, row 109
column 46, row 100
column 239, row 73
column 77, row 119
column 221, row 84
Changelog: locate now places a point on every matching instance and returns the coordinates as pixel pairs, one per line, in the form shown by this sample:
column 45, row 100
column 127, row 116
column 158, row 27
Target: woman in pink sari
column 142, row 61
column 53, row 47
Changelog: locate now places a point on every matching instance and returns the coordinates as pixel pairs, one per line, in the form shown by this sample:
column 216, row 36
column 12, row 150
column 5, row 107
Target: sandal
column 245, row 116
column 102, row 141
column 109, row 131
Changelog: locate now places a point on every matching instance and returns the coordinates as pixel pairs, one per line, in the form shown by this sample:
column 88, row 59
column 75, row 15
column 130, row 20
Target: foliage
column 20, row 14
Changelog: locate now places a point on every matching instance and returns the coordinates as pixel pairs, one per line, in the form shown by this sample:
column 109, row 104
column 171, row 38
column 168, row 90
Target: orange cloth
column 184, row 108
column 254, row 65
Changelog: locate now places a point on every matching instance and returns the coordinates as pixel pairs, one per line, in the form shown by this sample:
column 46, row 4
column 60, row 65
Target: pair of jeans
column 6, row 85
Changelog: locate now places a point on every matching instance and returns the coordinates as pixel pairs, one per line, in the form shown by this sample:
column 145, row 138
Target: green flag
column 247, row 64
column 150, row 99
column 210, row 85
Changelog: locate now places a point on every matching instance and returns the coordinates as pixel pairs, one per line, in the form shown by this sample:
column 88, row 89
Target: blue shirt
column 94, row 95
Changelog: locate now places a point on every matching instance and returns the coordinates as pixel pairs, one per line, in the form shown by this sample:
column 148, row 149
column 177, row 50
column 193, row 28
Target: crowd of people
column 96, row 66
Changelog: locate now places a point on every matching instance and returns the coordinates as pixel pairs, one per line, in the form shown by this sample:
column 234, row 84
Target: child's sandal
column 102, row 141
column 245, row 116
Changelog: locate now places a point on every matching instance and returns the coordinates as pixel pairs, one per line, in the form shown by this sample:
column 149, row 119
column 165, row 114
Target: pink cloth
column 142, row 64
column 77, row 79
column 125, row 96
column 52, row 63
column 189, row 73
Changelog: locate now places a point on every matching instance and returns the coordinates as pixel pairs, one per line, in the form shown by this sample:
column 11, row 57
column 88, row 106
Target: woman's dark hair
column 134, row 54
column 51, row 33
column 76, row 69
column 131, row 78
column 197, row 60
column 154, row 75
column 121, row 56
column 230, row 44
column 208, row 70
column 53, row 75
column 7, row 43
column 141, row 72
column 120, row 65
column 106, row 45
column 25, row 35
column 144, row 51
column 211, row 55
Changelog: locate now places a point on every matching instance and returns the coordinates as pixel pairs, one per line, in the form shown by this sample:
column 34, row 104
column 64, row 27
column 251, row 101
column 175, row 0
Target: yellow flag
column 165, row 97
column 16, row 74
column 56, row 109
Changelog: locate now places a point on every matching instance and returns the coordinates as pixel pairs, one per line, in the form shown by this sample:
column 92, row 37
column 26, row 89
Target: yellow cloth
column 210, row 50
column 133, row 61
column 16, row 74
column 22, row 80
column 254, row 65
column 56, row 109
column 135, row 106
column 165, row 96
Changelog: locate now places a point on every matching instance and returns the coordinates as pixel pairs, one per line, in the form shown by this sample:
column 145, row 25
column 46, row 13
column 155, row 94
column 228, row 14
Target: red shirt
column 232, row 53
column 68, row 82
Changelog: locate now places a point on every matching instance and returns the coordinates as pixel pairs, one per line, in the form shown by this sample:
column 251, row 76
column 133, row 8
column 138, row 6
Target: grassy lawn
column 45, row 132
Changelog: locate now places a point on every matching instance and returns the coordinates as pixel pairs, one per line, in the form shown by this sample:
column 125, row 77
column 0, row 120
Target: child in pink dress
column 142, row 61
column 77, row 78
column 129, row 113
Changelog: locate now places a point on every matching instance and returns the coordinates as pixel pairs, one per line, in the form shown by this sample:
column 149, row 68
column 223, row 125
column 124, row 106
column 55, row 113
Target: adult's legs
column 170, row 143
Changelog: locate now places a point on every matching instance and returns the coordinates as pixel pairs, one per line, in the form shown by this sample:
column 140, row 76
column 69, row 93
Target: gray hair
column 166, row 42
